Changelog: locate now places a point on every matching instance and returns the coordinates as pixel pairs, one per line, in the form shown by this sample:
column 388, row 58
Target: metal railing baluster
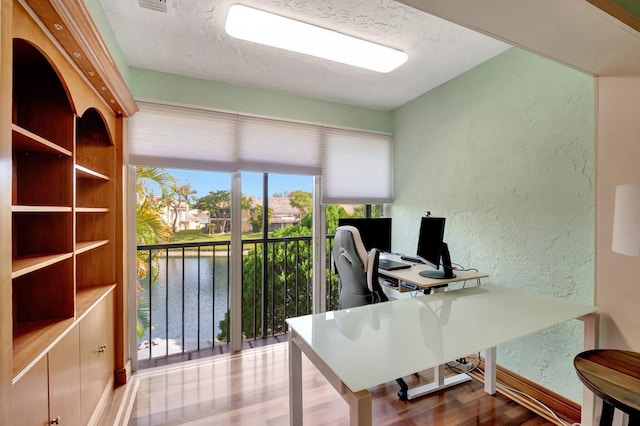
column 274, row 300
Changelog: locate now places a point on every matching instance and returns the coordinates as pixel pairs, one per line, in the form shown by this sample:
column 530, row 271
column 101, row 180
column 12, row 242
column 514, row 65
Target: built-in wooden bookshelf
column 66, row 212
column 42, row 196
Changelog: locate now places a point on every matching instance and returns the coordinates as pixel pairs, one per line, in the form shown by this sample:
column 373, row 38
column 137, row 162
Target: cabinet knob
column 55, row 421
column 102, row 349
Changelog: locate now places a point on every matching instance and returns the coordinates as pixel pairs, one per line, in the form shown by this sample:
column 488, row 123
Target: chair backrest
column 357, row 269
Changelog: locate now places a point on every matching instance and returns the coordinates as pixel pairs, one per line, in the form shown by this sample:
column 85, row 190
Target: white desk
column 356, row 349
column 412, row 276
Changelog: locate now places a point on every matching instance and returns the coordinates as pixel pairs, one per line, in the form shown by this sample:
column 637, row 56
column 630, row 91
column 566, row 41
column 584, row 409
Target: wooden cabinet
column 96, row 354
column 50, row 390
column 64, row 379
column 30, row 397
column 64, row 106
column 66, row 384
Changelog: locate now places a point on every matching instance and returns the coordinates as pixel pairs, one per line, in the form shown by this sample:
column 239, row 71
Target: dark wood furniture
column 614, row 376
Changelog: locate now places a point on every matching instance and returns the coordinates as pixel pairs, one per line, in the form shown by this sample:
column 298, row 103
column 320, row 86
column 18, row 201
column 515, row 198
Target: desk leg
column 359, row 408
column 591, row 341
column 295, row 382
column 490, row 371
column 438, row 375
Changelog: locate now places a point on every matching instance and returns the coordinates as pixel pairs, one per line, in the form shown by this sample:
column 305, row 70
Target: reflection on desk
column 355, row 342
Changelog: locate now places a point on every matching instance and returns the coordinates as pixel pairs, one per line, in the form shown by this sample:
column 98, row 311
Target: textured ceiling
column 189, row 40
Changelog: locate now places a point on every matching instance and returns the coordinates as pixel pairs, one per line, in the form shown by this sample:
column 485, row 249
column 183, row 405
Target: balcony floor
column 207, row 352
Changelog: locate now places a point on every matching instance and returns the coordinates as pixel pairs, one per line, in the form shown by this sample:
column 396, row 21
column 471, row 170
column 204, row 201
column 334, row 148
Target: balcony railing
column 184, row 312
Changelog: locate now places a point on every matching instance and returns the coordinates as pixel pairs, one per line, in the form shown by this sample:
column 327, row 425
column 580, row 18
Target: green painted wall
column 506, row 153
column 147, row 84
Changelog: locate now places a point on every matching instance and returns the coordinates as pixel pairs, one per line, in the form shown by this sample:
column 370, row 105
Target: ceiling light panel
column 257, row 26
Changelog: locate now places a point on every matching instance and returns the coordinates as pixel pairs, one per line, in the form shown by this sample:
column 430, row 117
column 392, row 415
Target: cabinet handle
column 102, row 349
column 55, row 421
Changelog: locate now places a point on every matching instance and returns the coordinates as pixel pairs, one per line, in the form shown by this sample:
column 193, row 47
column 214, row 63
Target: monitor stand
column 447, row 270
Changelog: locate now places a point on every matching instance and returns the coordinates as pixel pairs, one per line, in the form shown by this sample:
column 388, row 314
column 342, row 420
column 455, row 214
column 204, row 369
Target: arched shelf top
column 41, row 103
column 94, row 143
column 94, row 125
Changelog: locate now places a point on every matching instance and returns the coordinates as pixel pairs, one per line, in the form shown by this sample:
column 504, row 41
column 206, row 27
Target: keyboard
column 391, row 265
column 412, row 259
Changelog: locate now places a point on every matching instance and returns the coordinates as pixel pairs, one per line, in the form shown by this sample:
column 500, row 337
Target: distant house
column 200, row 218
column 283, row 213
column 188, row 219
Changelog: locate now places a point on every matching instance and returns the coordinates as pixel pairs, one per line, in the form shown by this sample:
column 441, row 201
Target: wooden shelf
column 24, row 140
column 40, row 209
column 25, row 265
column 84, row 246
column 89, row 297
column 92, row 210
column 86, row 173
column 31, row 341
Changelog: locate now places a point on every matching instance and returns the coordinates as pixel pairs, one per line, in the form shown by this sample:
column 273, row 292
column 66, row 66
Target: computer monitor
column 432, row 248
column 374, row 232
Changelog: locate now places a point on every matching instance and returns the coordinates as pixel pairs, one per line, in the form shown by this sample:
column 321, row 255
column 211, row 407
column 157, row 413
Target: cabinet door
column 64, row 379
column 30, row 396
column 96, row 354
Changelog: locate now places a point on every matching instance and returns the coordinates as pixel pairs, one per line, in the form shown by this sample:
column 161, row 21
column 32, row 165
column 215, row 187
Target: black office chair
column 357, row 269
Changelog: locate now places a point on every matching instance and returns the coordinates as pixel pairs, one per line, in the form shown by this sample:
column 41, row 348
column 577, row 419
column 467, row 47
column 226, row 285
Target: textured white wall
column 506, row 153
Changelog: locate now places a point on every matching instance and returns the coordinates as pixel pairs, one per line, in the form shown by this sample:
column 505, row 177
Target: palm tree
column 176, row 198
column 150, row 229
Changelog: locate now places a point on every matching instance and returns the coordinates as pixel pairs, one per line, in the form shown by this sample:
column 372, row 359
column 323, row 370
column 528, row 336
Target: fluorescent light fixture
column 254, row 25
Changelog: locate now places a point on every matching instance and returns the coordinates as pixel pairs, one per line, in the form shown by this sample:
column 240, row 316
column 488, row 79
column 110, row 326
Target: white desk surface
column 378, row 343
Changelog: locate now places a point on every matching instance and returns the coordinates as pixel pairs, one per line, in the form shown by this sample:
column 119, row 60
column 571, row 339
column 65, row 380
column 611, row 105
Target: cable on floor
column 539, row 403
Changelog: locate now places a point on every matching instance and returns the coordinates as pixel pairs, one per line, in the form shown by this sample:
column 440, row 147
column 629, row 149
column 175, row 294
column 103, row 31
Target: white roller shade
column 357, row 168
column 180, row 137
column 279, row 146
column 355, row 165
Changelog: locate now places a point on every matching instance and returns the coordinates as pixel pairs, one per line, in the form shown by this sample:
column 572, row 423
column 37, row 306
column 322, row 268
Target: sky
column 203, row 182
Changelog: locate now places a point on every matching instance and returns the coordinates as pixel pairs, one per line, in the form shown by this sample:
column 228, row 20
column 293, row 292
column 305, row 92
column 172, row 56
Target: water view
column 197, row 290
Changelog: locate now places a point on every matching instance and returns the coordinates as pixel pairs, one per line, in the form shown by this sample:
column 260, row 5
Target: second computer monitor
column 374, row 232
column 432, row 248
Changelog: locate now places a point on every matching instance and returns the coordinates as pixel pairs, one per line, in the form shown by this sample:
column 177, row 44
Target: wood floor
column 252, row 389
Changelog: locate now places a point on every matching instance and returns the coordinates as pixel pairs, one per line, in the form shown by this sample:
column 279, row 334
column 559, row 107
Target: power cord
column 535, row 401
column 455, row 365
column 459, row 267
